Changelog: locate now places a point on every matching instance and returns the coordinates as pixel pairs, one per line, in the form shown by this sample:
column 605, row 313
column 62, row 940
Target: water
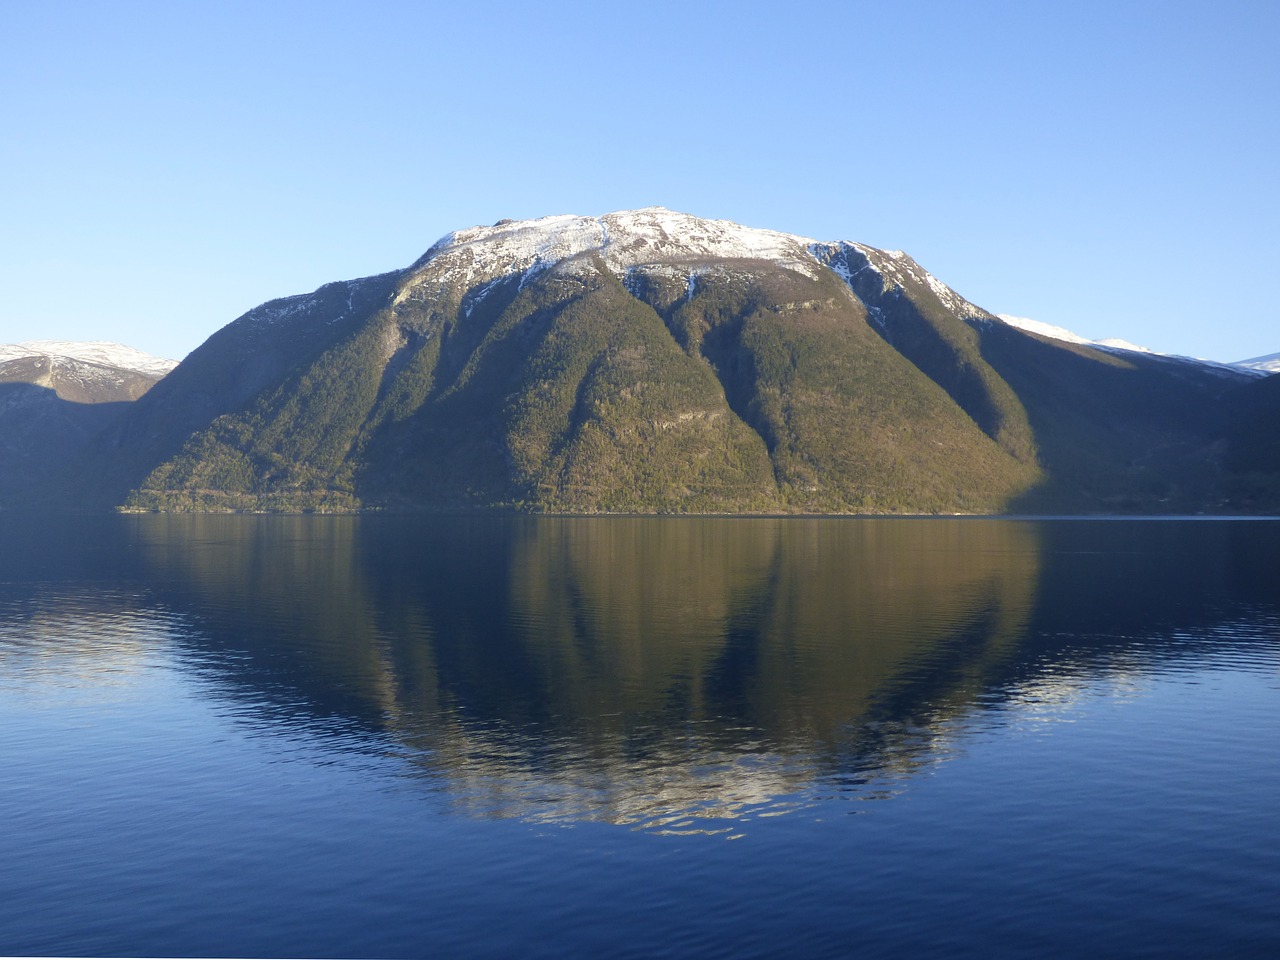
column 240, row 736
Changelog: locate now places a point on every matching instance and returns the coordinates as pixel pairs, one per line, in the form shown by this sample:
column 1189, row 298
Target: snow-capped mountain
column 55, row 396
column 100, row 352
column 93, row 372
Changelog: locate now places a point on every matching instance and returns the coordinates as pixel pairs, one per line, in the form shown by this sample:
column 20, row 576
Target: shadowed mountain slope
column 55, row 397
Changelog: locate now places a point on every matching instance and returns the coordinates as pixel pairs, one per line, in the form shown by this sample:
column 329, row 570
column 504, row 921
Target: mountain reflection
column 659, row 672
column 678, row 674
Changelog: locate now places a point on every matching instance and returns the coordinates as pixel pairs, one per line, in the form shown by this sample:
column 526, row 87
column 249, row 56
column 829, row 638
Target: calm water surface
column 229, row 736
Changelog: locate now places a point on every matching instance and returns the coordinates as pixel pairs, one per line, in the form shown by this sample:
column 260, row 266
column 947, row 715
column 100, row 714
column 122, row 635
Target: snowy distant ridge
column 99, row 352
column 1256, row 367
column 1268, row 364
column 1065, row 335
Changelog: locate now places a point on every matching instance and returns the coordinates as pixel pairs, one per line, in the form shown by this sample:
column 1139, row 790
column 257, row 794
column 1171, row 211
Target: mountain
column 651, row 361
column 96, row 372
column 55, row 395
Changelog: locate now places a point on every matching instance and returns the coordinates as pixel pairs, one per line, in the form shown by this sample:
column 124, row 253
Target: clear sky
column 1108, row 167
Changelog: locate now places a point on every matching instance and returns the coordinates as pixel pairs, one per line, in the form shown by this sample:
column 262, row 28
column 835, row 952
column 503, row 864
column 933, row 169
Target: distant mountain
column 1062, row 333
column 1268, row 364
column 1260, row 366
column 101, row 352
column 55, row 395
column 97, row 372
column 651, row 361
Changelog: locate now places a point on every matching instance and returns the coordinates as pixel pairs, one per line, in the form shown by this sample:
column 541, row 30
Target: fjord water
column 377, row 736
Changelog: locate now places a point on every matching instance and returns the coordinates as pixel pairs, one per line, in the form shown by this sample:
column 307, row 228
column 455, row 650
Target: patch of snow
column 100, row 352
column 283, row 307
column 480, row 293
column 940, row 289
column 895, row 269
column 840, row 265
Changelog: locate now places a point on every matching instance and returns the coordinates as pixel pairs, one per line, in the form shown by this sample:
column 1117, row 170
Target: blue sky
column 1107, row 167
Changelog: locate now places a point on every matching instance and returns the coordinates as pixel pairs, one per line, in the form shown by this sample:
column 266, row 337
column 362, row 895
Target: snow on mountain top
column 100, row 352
column 636, row 234
column 648, row 238
column 625, row 239
column 1268, row 364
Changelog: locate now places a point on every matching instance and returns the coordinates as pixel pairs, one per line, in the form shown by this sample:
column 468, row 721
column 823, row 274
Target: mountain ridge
column 103, row 353
column 1258, row 366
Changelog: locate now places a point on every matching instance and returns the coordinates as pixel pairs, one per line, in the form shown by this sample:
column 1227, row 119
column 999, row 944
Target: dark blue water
column 239, row 736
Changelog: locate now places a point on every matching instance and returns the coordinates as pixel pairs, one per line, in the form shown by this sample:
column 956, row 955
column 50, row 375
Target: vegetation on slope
column 850, row 424
column 760, row 390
